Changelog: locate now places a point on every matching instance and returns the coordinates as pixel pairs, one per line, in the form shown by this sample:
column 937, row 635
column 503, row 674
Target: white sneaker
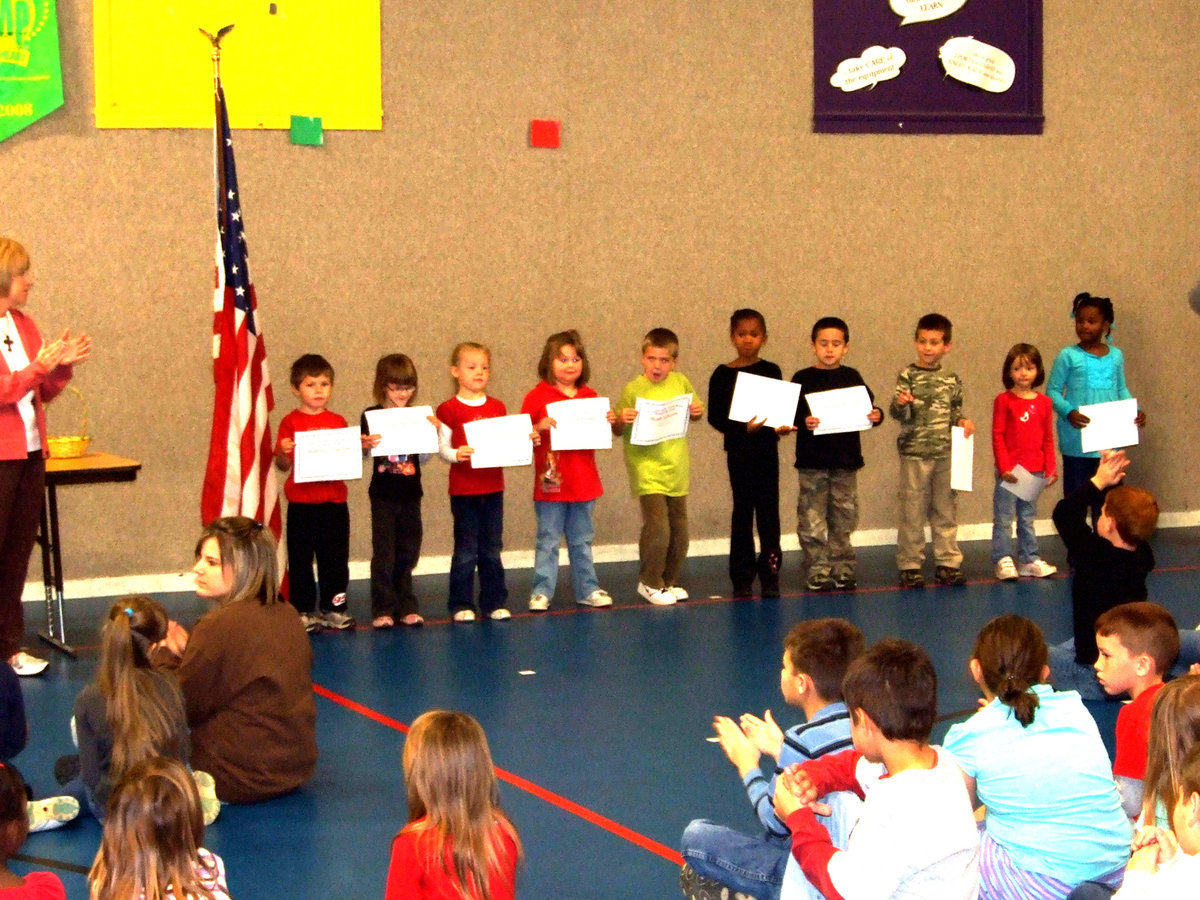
column 1006, row 569
column 464, row 615
column 538, row 603
column 654, row 595
column 677, row 592
column 51, row 812
column 499, row 615
column 598, row 597
column 1039, row 568
column 26, row 664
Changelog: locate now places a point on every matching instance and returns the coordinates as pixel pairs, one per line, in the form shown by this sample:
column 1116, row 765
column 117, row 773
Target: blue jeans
column 752, row 865
column 1003, row 504
column 556, row 519
column 478, row 539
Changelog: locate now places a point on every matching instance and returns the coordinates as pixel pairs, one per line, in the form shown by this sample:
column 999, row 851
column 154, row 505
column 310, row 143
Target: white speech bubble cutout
column 924, row 10
column 876, row 64
column 977, row 63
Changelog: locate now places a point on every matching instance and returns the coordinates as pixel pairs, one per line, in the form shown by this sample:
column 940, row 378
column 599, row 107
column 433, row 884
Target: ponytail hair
column 144, row 711
column 1012, row 656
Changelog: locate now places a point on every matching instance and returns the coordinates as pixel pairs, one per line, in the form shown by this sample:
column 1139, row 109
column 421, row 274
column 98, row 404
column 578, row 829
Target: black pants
column 754, row 478
column 22, row 482
column 318, row 531
column 395, row 549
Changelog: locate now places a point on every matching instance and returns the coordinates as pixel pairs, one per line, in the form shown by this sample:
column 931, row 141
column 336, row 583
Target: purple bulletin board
column 923, row 99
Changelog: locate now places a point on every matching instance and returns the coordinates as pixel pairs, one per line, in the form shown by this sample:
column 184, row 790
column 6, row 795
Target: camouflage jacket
column 937, row 405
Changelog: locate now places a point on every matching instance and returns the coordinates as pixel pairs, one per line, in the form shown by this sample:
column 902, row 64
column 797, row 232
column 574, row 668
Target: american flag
column 240, row 479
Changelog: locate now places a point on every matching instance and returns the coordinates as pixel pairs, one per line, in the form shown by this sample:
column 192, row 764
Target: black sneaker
column 819, row 583
column 697, row 887
column 911, row 579
column 845, row 581
column 949, row 575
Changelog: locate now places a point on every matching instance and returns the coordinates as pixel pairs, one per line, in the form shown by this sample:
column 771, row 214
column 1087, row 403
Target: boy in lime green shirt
column 658, row 473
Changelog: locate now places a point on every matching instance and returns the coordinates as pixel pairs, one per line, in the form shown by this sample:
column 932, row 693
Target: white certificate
column 403, row 430
column 1111, row 425
column 843, row 409
column 962, row 459
column 330, row 454
column 660, row 420
column 755, row 396
column 580, row 424
column 1028, row 486
column 500, row 441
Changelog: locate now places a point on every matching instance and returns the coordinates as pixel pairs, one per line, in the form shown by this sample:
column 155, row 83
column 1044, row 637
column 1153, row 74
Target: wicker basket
column 74, row 445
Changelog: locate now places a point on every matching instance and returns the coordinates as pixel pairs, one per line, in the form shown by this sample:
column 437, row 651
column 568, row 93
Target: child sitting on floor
column 1138, row 643
column 916, row 836
column 815, row 658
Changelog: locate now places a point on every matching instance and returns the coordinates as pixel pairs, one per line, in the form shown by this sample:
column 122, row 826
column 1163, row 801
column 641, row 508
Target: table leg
column 52, row 574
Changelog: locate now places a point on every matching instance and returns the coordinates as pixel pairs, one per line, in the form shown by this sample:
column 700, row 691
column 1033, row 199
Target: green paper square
column 307, row 130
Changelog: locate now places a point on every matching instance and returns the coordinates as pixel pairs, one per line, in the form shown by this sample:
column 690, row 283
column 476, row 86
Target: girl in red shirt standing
column 1022, row 434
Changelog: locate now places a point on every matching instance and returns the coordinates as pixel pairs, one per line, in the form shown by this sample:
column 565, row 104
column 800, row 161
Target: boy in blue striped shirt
column 816, row 656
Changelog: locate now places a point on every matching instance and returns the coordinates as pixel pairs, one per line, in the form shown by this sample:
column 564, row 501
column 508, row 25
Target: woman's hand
column 176, row 640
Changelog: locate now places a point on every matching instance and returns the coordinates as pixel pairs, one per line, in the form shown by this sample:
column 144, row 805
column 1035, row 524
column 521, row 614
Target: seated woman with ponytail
column 1033, row 756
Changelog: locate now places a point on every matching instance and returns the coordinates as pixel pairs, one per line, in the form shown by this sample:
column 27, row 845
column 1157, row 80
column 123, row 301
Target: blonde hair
column 14, row 260
column 1174, row 730
column 451, row 784
column 463, row 346
column 144, row 721
column 249, row 550
column 152, row 837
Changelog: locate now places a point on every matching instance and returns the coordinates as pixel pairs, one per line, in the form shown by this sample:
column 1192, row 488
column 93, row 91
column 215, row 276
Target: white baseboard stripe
column 181, row 582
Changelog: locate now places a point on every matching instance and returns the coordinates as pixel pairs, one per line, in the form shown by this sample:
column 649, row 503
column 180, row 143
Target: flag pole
column 216, row 50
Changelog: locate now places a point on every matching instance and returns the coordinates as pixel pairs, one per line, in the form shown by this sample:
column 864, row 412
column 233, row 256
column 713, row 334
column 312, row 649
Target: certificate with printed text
column 841, row 410
column 1112, row 425
column 660, row 420
column 500, row 441
column 402, row 430
column 755, row 397
column 580, row 424
column 331, row 454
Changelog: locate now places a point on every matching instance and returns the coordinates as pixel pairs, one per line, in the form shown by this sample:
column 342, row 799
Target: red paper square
column 545, row 133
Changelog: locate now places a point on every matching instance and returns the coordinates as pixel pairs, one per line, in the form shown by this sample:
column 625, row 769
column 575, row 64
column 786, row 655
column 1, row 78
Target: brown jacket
column 247, row 685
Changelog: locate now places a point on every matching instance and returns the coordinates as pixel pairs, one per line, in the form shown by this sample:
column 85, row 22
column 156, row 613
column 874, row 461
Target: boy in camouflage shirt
column 928, row 402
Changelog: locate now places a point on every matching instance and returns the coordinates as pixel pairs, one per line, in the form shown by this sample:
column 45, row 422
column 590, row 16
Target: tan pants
column 925, row 496
column 664, row 542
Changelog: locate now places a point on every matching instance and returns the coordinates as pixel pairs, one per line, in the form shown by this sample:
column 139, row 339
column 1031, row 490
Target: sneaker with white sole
column 310, row 621
column 499, row 615
column 697, row 887
column 51, row 812
column 656, row 596
column 598, row 597
column 1006, row 569
column 464, row 615
column 538, row 603
column 677, row 592
column 1038, row 568
column 210, row 806
column 335, row 620
column 26, row 664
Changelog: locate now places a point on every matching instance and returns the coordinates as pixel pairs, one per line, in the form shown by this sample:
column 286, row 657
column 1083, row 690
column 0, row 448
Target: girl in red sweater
column 457, row 843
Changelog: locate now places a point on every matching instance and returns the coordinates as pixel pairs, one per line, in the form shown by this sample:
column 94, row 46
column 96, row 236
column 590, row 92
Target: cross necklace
column 8, row 341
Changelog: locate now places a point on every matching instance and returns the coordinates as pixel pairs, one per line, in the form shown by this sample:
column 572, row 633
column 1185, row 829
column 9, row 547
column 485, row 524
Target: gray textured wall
column 689, row 183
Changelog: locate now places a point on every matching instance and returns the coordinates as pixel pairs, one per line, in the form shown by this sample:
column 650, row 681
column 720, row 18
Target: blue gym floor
column 596, row 718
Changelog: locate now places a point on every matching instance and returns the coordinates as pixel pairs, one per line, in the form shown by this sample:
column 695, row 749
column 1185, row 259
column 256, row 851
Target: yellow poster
column 291, row 57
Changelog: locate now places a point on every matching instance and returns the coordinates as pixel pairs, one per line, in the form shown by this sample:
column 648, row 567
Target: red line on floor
column 523, row 784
